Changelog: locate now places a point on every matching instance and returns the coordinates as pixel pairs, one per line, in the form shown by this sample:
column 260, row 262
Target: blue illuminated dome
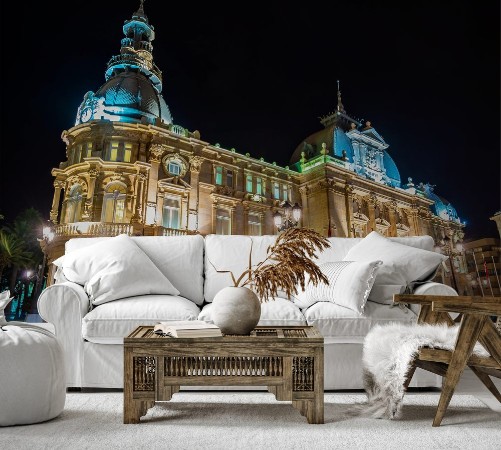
column 442, row 207
column 130, row 97
column 133, row 89
column 357, row 148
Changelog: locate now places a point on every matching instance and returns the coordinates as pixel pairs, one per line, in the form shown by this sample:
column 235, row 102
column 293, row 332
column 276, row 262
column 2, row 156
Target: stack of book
column 187, row 329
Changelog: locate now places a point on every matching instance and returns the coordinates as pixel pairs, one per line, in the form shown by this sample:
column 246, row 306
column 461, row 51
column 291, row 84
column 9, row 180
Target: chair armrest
column 421, row 294
column 490, row 306
column 64, row 305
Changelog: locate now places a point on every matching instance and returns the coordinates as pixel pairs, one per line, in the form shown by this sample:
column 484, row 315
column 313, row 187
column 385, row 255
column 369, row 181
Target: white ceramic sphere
column 236, row 310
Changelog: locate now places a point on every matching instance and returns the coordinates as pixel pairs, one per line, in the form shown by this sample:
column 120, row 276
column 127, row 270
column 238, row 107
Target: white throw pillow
column 383, row 293
column 349, row 285
column 402, row 264
column 114, row 269
column 5, row 299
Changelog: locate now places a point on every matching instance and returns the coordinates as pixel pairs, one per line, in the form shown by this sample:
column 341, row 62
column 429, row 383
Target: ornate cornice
column 372, row 199
column 392, row 205
column 195, row 163
column 156, row 152
column 93, row 173
column 349, row 189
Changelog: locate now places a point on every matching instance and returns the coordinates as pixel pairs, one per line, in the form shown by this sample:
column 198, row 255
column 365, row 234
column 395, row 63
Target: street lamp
column 47, row 237
column 290, row 217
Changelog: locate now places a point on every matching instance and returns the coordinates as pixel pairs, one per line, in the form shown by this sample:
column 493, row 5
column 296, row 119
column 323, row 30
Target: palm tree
column 13, row 252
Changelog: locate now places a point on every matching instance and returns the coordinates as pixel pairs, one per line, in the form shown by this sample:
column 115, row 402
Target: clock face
column 86, row 114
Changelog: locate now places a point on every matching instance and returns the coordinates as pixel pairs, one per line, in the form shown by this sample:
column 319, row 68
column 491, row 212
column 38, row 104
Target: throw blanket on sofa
column 387, row 357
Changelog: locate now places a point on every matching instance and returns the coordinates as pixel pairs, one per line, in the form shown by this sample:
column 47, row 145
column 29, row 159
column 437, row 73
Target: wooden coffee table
column 289, row 360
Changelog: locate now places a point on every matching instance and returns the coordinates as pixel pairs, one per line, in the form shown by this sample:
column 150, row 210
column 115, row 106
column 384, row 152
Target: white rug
column 255, row 420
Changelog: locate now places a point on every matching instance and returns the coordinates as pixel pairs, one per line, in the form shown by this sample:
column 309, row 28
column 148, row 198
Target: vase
column 236, row 310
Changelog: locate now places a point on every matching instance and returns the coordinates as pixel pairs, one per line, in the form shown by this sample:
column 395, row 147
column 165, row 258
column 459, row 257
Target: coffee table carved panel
column 289, row 360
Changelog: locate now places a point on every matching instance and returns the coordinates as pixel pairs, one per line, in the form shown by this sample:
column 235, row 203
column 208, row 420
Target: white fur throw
column 387, row 356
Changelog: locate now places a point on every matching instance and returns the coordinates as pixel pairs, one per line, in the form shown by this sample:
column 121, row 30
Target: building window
column 74, row 204
column 254, row 225
column 87, row 150
column 171, row 213
column 114, row 150
column 285, row 192
column 259, row 186
column 174, row 168
column 127, row 151
column 114, row 204
column 219, row 175
column 74, row 155
column 276, row 191
column 248, row 183
column 223, row 222
column 229, row 178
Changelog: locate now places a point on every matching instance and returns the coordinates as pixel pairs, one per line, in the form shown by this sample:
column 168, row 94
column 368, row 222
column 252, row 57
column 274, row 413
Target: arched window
column 114, row 203
column 74, row 204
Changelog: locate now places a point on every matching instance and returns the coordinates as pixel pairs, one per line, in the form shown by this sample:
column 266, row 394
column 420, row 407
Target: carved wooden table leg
column 139, row 378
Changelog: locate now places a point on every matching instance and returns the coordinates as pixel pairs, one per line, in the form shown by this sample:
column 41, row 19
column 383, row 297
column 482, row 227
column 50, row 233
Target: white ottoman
column 32, row 377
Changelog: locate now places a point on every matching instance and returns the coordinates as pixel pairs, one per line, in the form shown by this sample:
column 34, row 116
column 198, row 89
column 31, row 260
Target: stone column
column 184, row 216
column 392, row 210
column 138, row 207
column 89, row 202
column 214, row 213
column 160, row 208
column 156, row 152
column 303, row 190
column 348, row 196
column 232, row 220
column 372, row 203
column 195, row 166
column 414, row 221
column 58, row 185
column 246, row 220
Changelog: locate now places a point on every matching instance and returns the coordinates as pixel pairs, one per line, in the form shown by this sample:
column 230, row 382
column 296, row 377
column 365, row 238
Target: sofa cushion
column 230, row 253
column 111, row 322
column 349, row 285
column 402, row 264
column 179, row 258
column 275, row 312
column 115, row 269
column 345, row 325
column 341, row 246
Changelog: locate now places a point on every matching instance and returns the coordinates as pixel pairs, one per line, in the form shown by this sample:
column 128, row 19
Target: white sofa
column 92, row 338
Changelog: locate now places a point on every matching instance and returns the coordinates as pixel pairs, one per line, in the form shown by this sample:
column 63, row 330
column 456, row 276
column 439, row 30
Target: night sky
column 257, row 75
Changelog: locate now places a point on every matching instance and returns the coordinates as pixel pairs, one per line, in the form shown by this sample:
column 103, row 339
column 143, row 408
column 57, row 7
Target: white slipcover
column 275, row 312
column 32, row 375
column 111, row 322
column 179, row 258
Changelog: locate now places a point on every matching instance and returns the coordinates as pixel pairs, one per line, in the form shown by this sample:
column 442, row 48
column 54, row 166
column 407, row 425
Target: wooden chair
column 476, row 325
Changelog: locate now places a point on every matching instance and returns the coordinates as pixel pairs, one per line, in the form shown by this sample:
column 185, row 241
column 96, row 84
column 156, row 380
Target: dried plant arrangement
column 285, row 266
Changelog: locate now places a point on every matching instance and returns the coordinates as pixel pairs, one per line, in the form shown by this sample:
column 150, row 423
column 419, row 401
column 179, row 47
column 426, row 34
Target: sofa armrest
column 431, row 288
column 64, row 305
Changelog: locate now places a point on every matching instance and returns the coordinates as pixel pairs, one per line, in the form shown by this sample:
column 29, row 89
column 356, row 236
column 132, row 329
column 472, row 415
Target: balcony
column 97, row 229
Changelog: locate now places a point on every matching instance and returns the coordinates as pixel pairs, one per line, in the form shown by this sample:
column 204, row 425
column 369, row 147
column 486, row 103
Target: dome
column 335, row 140
column 442, row 207
column 391, row 169
column 128, row 96
column 131, row 96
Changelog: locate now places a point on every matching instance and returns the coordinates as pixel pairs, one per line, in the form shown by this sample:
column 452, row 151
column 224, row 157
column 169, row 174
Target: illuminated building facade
column 131, row 169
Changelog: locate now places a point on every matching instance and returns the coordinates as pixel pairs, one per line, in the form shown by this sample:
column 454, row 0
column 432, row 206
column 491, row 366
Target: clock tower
column 133, row 81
